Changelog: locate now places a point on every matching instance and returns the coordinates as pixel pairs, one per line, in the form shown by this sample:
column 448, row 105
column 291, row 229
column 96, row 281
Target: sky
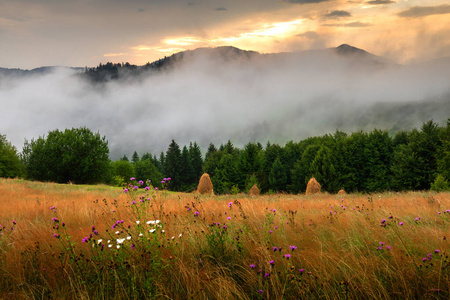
column 80, row 33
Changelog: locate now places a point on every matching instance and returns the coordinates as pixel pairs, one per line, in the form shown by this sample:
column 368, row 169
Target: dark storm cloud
column 423, row 11
column 338, row 14
column 380, row 2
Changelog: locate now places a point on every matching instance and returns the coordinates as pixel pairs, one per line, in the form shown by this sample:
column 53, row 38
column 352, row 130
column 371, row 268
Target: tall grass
column 89, row 242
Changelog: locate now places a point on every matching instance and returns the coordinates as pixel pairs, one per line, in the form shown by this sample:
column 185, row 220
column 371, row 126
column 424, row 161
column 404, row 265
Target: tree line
column 374, row 161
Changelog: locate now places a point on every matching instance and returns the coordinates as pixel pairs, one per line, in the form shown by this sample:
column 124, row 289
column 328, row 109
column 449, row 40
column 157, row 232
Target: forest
column 366, row 162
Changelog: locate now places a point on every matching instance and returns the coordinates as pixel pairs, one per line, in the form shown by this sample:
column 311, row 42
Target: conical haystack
column 342, row 192
column 254, row 191
column 205, row 185
column 313, row 187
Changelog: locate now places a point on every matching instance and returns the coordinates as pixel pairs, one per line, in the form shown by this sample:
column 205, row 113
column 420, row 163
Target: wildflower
column 135, row 188
column 133, row 203
column 147, row 188
column 55, row 220
column 110, row 246
column 275, row 249
column 301, row 270
column 118, row 246
column 14, row 222
column 132, row 178
column 141, row 182
column 260, row 291
column 252, row 266
column 382, row 243
column 180, row 235
column 95, row 232
column 120, row 241
column 292, row 248
column 56, row 235
column 388, row 247
column 99, row 241
column 401, row 223
column 162, row 181
column 137, row 222
column 417, row 219
column 152, row 230
column 271, row 262
column 196, row 213
column 141, row 234
column 437, row 251
column 287, row 256
column 229, row 218
column 128, row 237
column 424, row 259
column 85, row 240
column 276, row 227
column 125, row 190
column 53, row 207
column 132, row 246
column 383, row 221
column 117, row 232
column 230, row 204
column 266, row 275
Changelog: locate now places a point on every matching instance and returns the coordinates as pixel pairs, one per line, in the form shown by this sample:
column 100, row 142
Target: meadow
column 98, row 242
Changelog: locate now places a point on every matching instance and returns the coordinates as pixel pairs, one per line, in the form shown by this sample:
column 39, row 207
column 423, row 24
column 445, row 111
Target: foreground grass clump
column 63, row 241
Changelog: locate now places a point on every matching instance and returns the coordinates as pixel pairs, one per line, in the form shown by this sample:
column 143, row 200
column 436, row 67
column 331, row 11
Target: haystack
column 205, row 185
column 342, row 192
column 313, row 187
column 254, row 191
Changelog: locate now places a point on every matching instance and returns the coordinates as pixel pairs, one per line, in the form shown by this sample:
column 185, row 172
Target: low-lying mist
column 211, row 98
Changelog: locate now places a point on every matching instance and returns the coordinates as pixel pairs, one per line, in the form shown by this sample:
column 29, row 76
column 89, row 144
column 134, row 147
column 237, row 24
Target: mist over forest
column 221, row 94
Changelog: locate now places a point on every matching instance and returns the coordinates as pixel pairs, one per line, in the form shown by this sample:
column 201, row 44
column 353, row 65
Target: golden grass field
column 343, row 248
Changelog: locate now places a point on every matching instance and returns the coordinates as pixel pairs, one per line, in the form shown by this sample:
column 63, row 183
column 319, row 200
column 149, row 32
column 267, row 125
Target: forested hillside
column 358, row 162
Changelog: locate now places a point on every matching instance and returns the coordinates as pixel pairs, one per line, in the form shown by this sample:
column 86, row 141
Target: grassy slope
column 337, row 238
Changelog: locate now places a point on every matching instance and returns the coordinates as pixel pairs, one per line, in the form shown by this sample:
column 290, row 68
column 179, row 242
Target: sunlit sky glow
column 35, row 33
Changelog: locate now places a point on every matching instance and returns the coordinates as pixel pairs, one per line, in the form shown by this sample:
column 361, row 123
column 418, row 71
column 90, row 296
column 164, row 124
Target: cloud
column 309, row 35
column 304, row 1
column 211, row 100
column 352, row 24
column 423, row 11
column 338, row 14
column 380, row 2
column 221, row 9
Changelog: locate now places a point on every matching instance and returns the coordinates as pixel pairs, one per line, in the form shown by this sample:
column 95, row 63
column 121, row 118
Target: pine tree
column 135, row 157
column 196, row 160
column 277, row 176
column 172, row 165
column 187, row 175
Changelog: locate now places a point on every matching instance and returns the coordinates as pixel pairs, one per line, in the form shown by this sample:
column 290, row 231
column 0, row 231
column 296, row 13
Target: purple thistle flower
column 271, row 262
column 270, row 231
column 132, row 178
column 292, row 248
column 287, row 256
column 55, row 220
column 275, row 249
column 252, row 266
column 125, row 190
column 388, row 247
column 260, row 291
column 141, row 182
column 266, row 275
column 301, row 270
column 383, row 221
column 424, row 259
column 56, row 235
column 14, row 222
column 437, row 251
column 85, row 239
column 401, row 223
column 229, row 218
column 53, row 207
column 132, row 246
